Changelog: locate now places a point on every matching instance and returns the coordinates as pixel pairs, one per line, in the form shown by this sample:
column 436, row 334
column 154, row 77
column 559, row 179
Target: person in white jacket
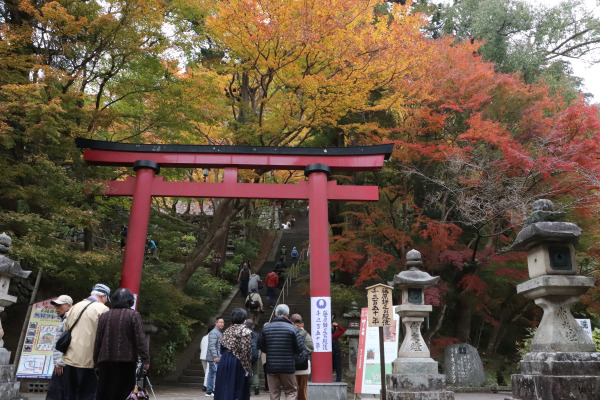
column 203, row 350
column 62, row 304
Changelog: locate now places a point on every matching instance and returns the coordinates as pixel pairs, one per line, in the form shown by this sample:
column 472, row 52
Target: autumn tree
column 477, row 147
column 518, row 36
column 295, row 69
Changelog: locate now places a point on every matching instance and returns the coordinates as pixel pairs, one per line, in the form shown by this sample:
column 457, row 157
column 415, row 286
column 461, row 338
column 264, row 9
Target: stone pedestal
column 416, row 379
column 327, row 391
column 558, row 376
column 558, row 330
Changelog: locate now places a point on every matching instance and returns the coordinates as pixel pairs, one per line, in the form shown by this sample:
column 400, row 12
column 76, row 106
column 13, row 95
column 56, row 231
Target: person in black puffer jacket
column 281, row 341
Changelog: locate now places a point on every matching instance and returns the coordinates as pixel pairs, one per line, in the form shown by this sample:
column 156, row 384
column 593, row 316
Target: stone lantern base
column 558, row 376
column 9, row 387
column 416, row 379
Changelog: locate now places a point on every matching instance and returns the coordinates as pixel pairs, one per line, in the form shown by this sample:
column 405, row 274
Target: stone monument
column 563, row 362
column 414, row 373
column 463, row 366
column 9, row 387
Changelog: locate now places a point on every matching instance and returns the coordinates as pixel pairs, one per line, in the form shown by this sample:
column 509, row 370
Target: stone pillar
column 414, row 373
column 9, row 387
column 563, row 362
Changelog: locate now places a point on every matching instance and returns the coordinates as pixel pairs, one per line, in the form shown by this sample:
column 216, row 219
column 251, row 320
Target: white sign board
column 320, row 317
column 586, row 326
column 368, row 368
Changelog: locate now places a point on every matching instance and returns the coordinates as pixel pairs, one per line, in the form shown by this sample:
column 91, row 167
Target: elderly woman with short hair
column 235, row 366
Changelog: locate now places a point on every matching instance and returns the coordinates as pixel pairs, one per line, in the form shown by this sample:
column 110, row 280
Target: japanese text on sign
column 380, row 305
column 36, row 354
column 321, row 323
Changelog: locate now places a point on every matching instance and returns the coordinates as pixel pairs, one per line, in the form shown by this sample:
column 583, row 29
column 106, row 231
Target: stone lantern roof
column 413, row 276
column 545, row 225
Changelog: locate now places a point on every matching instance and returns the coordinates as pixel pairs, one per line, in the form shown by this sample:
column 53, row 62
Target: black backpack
column 301, row 360
column 251, row 303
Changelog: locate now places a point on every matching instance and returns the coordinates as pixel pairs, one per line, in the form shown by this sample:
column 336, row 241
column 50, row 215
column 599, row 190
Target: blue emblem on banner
column 321, row 303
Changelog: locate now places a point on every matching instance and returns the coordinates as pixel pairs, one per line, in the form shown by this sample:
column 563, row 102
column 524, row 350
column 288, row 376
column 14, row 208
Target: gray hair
column 282, row 310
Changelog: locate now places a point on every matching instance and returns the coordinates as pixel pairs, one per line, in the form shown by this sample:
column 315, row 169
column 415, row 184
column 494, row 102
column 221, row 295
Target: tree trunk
column 500, row 330
column 463, row 323
column 88, row 239
column 438, row 325
column 218, row 232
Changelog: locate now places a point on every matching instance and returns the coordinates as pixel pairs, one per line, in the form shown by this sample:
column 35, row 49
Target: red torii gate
column 317, row 164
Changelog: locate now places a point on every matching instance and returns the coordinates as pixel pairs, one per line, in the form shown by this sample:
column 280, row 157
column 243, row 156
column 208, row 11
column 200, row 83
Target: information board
column 36, row 354
column 368, row 370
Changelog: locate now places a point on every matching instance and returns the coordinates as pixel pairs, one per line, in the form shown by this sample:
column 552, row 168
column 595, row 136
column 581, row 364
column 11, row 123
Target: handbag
column 64, row 341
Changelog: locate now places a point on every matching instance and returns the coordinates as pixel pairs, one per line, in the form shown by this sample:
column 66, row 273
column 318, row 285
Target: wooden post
column 382, row 364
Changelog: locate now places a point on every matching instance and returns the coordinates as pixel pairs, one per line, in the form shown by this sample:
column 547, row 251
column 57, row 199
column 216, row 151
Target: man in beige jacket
column 80, row 378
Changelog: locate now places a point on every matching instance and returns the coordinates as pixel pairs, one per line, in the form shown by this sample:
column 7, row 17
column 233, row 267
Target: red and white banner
column 368, row 369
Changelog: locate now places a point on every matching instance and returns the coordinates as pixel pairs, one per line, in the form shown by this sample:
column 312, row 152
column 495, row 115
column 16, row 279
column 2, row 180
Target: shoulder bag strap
column 80, row 314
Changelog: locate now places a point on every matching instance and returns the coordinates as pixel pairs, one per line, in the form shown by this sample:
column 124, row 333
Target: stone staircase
column 190, row 373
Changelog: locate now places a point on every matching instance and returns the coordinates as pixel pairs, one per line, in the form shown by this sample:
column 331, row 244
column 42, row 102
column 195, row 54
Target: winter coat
column 214, row 344
column 308, row 343
column 254, row 282
column 80, row 353
column 120, row 337
column 281, row 340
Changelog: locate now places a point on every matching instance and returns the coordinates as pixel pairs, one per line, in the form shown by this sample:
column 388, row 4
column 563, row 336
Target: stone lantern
column 414, row 373
column 353, row 333
column 9, row 388
column 563, row 362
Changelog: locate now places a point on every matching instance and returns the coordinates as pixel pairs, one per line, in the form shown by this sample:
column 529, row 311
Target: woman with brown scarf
column 235, row 366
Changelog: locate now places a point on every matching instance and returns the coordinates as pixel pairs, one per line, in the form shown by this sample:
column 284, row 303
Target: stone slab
column 327, row 391
column 9, row 390
column 561, row 363
column 553, row 387
column 463, row 366
column 553, row 285
column 7, row 373
column 445, row 395
column 414, row 366
column 415, row 383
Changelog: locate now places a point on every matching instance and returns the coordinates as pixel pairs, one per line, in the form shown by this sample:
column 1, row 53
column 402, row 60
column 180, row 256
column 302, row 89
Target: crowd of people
column 105, row 346
column 233, row 355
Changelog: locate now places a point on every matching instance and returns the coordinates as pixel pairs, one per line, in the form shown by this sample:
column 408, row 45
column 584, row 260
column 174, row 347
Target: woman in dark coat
column 235, row 366
column 119, row 342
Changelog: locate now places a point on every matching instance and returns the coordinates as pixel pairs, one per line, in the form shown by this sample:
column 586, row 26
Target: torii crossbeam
column 317, row 163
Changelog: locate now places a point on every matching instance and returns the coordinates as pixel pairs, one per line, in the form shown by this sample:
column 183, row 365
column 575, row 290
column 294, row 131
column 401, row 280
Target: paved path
column 175, row 393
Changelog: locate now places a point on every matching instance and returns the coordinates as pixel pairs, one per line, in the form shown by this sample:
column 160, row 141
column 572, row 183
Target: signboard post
column 36, row 355
column 381, row 313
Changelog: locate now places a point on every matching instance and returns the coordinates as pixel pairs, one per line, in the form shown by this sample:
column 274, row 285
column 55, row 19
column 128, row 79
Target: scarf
column 238, row 340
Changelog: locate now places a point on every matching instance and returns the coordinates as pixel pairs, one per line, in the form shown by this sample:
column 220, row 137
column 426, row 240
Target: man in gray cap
column 79, row 377
column 62, row 304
